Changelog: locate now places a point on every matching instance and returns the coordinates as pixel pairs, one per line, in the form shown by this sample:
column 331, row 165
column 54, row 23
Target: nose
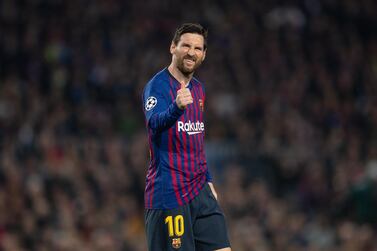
column 191, row 52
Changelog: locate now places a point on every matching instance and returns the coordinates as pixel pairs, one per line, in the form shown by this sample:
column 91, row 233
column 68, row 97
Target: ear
column 172, row 47
column 204, row 54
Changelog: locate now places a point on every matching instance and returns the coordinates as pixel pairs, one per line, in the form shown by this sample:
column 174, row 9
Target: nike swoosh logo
column 192, row 133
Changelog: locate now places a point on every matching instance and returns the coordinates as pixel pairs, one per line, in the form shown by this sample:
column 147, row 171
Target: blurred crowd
column 291, row 118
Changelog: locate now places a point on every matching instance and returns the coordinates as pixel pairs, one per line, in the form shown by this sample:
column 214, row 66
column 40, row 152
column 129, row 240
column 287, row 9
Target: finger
column 187, row 96
column 186, row 92
column 188, row 101
column 182, row 91
column 183, row 85
column 185, row 102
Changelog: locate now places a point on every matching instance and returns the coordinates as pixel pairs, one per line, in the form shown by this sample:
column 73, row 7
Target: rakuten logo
column 191, row 127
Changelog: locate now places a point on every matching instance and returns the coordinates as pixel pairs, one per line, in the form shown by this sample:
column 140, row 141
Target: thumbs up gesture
column 184, row 97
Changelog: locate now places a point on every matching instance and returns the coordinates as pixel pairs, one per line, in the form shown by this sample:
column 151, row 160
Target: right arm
column 163, row 120
column 159, row 114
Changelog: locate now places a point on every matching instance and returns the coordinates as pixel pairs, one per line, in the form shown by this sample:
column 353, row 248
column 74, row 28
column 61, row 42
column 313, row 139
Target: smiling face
column 188, row 53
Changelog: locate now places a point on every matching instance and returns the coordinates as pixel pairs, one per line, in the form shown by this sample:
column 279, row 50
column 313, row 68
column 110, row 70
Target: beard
column 188, row 70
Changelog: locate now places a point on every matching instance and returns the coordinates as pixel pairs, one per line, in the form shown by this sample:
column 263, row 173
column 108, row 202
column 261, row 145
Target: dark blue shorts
column 197, row 226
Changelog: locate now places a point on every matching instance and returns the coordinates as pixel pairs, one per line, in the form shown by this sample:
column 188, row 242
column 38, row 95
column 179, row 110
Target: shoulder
column 159, row 83
column 198, row 83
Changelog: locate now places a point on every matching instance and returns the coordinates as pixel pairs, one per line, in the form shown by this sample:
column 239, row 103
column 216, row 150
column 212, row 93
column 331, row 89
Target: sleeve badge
column 150, row 103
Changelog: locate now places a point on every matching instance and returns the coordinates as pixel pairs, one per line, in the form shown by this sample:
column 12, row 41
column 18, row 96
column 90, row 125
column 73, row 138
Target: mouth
column 189, row 61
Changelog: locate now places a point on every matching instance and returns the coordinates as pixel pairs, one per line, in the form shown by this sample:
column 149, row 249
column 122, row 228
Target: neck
column 178, row 75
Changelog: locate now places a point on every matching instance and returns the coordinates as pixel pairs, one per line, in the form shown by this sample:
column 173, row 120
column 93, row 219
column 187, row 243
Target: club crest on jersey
column 150, row 103
column 176, row 243
column 191, row 127
column 201, row 105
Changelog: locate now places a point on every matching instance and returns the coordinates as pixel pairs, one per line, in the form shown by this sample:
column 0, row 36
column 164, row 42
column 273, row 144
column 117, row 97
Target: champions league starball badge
column 151, row 102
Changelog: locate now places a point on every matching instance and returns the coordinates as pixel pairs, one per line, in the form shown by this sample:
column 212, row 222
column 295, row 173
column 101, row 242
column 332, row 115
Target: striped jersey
column 178, row 168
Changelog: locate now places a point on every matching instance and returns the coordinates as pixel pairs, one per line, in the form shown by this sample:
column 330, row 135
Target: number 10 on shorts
column 175, row 225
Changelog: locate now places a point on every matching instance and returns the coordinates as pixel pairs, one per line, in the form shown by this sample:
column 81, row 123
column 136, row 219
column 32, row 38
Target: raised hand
column 184, row 97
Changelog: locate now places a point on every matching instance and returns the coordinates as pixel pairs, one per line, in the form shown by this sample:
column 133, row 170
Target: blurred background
column 291, row 118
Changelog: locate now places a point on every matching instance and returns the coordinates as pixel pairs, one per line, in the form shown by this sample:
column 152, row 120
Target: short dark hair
column 190, row 28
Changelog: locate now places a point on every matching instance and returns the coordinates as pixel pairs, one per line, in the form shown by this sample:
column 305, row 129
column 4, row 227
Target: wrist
column 176, row 110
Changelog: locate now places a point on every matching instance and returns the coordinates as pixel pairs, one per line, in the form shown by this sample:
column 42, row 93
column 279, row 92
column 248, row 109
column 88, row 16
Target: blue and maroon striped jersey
column 178, row 168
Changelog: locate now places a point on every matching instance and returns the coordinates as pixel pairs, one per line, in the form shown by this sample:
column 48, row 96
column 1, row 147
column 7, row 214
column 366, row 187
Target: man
column 182, row 212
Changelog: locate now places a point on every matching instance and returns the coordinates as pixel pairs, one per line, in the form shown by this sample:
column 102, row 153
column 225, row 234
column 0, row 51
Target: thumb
column 183, row 85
